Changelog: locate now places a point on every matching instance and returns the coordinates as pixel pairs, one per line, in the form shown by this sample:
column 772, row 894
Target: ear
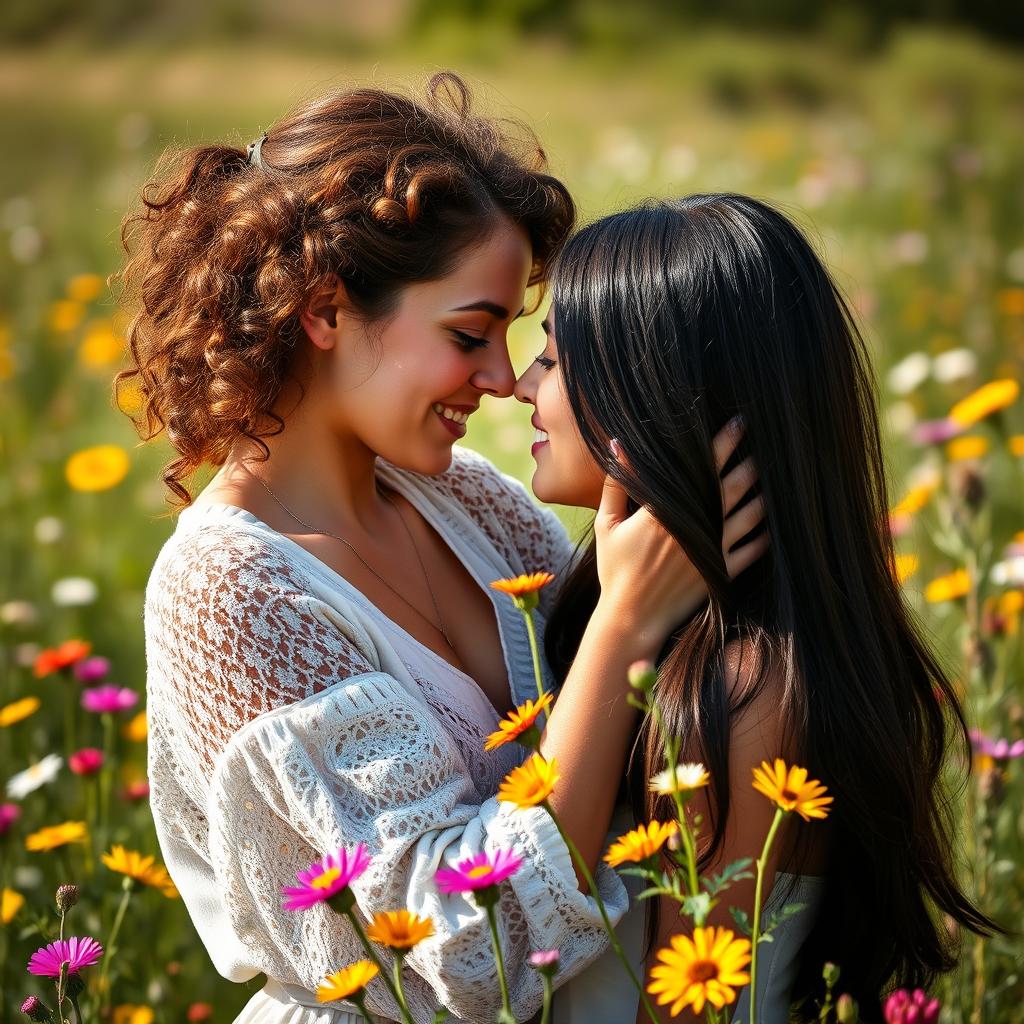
column 320, row 318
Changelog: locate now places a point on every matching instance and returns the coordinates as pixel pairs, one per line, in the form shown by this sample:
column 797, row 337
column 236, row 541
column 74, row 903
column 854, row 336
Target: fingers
column 743, row 558
column 736, row 483
column 726, row 440
column 740, row 523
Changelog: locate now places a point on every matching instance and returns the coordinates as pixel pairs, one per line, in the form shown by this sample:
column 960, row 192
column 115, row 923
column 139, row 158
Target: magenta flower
column 91, row 670
column 9, row 814
column 934, row 431
column 326, row 878
column 478, row 872
column 904, row 1007
column 109, row 698
column 87, row 761
column 77, row 952
column 998, row 750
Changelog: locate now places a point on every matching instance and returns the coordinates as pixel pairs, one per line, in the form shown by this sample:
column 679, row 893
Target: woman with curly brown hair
column 318, row 317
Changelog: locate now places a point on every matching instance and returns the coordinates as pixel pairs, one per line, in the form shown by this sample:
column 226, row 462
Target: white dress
column 288, row 716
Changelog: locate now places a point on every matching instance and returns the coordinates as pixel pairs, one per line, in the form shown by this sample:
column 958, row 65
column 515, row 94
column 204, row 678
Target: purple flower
column 109, row 698
column 35, row 1009
column 904, row 1007
column 934, row 431
column 478, row 872
column 91, row 670
column 998, row 750
column 77, row 952
column 326, row 878
column 9, row 814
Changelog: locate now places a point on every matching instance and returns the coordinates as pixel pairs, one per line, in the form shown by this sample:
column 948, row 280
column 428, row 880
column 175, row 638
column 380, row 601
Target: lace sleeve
column 531, row 538
column 271, row 696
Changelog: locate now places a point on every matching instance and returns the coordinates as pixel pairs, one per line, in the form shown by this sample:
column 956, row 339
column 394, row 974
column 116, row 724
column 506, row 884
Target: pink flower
column 934, row 431
column 138, row 789
column 544, row 958
column 478, row 872
column 87, row 761
column 326, row 878
column 77, row 952
column 998, row 750
column 91, row 670
column 904, row 1007
column 9, row 814
column 109, row 698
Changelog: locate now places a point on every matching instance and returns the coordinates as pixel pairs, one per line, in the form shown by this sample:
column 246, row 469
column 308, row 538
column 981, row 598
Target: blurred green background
column 893, row 132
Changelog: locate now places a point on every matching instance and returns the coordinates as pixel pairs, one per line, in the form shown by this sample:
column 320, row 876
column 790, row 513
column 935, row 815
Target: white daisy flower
column 73, row 591
column 19, row 786
column 688, row 777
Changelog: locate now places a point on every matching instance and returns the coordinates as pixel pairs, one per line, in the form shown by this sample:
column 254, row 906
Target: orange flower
column 524, row 589
column 905, row 567
column 990, row 398
column 641, row 844
column 948, row 588
column 967, row 449
column 530, row 784
column 518, row 722
column 54, row 659
column 791, row 790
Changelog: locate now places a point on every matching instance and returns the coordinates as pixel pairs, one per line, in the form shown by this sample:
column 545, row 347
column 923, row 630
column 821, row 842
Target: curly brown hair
column 372, row 187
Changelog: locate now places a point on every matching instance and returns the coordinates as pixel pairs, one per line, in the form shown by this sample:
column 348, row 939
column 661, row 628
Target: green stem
column 531, row 633
column 397, row 975
column 581, row 866
column 492, row 922
column 755, row 937
column 384, row 976
column 122, row 907
column 545, row 1017
column 78, row 1009
column 106, row 775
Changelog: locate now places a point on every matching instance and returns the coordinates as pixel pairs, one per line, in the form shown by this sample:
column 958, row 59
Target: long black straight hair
column 670, row 319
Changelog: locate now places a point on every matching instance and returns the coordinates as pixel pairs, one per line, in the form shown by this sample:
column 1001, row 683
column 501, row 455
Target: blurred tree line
column 859, row 25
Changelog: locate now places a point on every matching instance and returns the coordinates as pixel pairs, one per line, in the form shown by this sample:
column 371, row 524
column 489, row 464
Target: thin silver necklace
column 439, row 625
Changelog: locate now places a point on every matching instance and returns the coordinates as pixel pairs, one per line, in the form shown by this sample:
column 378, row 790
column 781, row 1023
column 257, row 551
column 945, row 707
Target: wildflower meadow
column 905, row 164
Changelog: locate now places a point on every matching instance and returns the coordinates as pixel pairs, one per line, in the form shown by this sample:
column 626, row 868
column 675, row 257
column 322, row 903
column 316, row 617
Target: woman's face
column 566, row 473
column 404, row 386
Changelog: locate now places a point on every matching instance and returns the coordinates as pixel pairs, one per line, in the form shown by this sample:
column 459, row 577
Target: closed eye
column 545, row 362
column 469, row 342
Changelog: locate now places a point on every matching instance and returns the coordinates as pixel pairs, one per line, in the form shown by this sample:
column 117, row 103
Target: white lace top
column 288, row 716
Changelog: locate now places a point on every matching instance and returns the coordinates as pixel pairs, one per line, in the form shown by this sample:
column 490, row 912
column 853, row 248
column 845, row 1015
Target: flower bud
column 643, row 675
column 67, row 897
column 903, row 1007
column 830, row 972
column 846, row 1010
column 199, row 1012
column 36, row 1009
column 75, row 986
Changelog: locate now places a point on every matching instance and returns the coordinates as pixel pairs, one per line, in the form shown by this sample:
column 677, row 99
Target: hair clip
column 253, row 151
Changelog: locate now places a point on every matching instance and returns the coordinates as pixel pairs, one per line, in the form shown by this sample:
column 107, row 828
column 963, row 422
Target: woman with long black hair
column 668, row 321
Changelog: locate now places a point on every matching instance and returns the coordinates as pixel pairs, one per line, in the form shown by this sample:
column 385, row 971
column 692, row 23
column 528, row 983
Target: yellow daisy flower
column 131, row 1013
column 136, row 729
column 128, row 396
column 791, row 790
column 641, row 843
column 64, row 316
column 967, row 449
column 705, row 969
column 529, row 784
column 101, row 346
column 688, row 777
column 18, row 710
column 51, row 837
column 914, row 500
column 10, row 903
column 905, row 567
column 398, row 929
column 98, row 468
column 142, row 869
column 518, row 722
column 347, row 982
column 987, row 400
column 1016, row 445
column 519, row 586
column 948, row 588
column 85, row 287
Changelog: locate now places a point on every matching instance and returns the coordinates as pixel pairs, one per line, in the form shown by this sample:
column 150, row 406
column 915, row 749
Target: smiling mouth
column 453, row 420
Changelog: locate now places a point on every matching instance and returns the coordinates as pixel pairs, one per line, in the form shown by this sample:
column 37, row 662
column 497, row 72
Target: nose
column 526, row 389
column 496, row 377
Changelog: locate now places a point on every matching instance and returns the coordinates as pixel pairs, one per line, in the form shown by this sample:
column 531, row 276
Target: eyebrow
column 486, row 306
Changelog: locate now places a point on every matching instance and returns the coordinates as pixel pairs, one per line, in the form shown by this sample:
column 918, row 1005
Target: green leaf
column 734, row 872
column 742, row 919
column 698, row 907
column 778, row 916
